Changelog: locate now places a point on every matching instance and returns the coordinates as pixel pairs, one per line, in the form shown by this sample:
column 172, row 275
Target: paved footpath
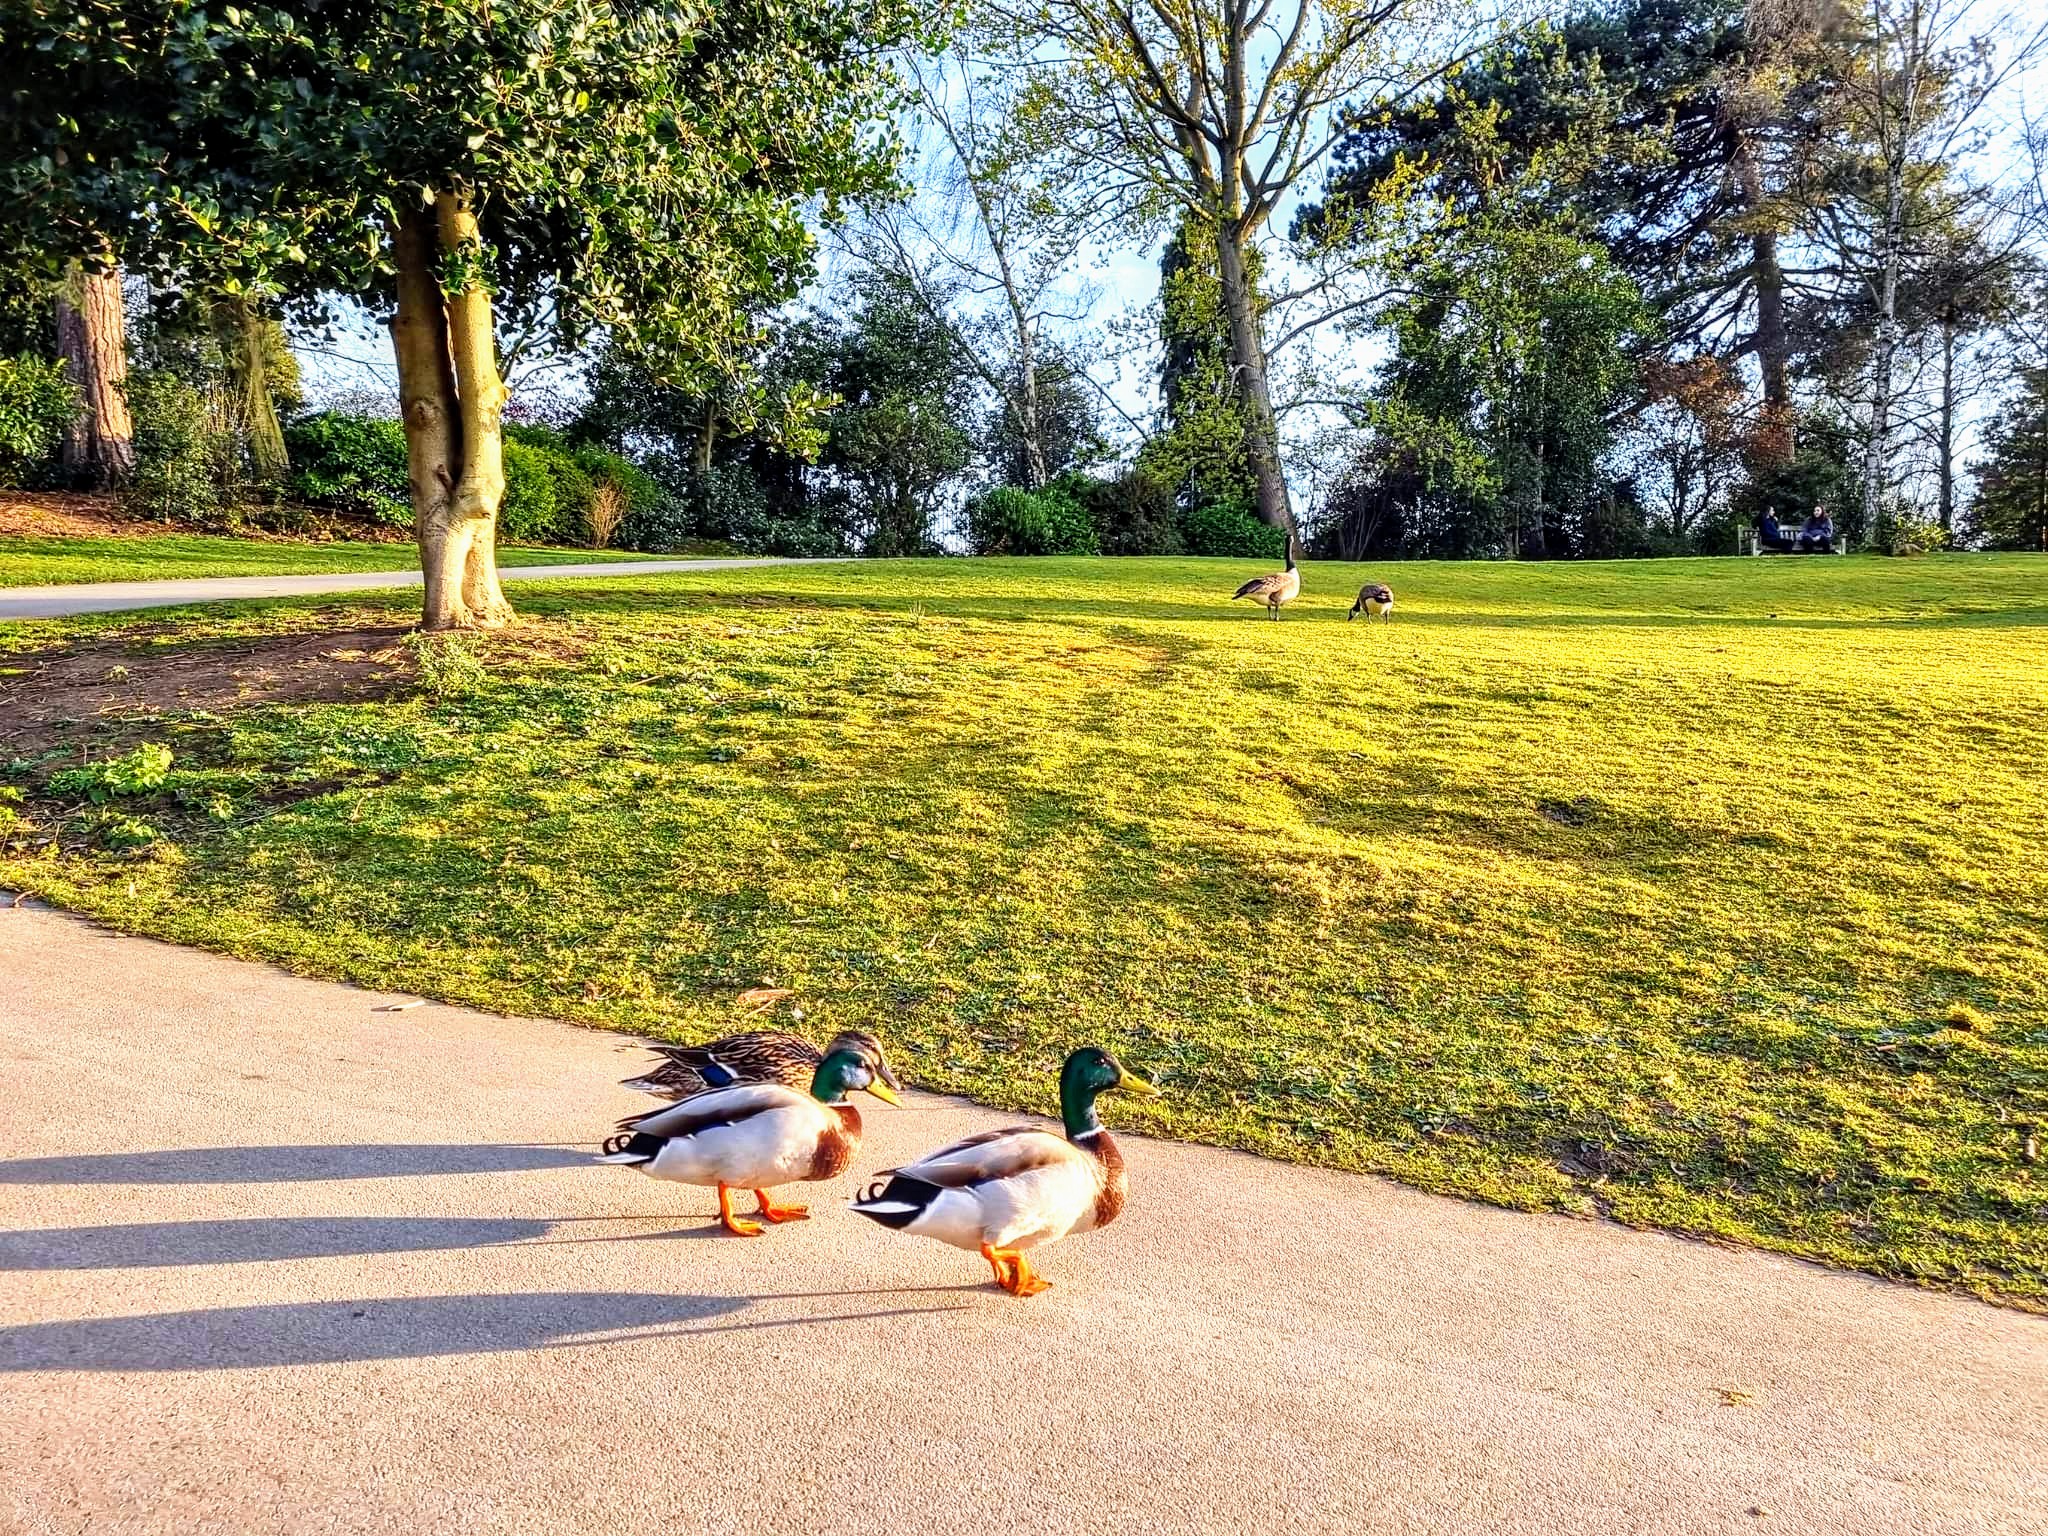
column 275, row 1261
column 112, row 596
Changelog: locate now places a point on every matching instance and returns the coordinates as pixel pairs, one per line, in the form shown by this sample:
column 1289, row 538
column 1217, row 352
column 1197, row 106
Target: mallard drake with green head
column 757, row 1135
column 757, row 1056
column 1003, row 1192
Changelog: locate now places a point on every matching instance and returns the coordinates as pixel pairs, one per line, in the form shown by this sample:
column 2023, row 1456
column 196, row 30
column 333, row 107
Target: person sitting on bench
column 1817, row 537
column 1769, row 535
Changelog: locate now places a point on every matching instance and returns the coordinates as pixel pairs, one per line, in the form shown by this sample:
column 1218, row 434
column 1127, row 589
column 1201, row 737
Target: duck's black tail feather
column 896, row 1200
column 631, row 1147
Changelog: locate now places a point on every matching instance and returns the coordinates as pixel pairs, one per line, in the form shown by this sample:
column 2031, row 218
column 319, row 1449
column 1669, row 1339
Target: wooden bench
column 1753, row 544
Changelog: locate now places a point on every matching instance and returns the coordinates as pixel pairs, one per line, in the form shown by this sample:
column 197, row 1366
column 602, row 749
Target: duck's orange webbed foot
column 736, row 1225
column 770, row 1211
column 998, row 1261
column 1023, row 1282
column 1013, row 1272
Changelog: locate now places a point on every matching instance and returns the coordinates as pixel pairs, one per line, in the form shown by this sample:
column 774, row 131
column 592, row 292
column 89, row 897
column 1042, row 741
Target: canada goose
column 755, row 1136
column 1375, row 598
column 757, row 1056
column 1002, row 1192
column 1280, row 587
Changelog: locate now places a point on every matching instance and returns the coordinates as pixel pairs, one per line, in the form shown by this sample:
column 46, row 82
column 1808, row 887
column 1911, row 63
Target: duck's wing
column 991, row 1155
column 670, row 1080
column 754, row 1056
column 715, row 1106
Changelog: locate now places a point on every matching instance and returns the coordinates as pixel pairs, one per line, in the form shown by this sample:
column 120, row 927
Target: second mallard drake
column 757, row 1056
column 1003, row 1192
column 756, row 1135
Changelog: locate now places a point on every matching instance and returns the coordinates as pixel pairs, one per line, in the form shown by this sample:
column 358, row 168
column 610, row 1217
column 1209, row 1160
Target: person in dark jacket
column 1817, row 537
column 1769, row 535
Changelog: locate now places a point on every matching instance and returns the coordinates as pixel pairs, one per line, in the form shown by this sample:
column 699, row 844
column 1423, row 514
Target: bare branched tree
column 985, row 246
column 1215, row 111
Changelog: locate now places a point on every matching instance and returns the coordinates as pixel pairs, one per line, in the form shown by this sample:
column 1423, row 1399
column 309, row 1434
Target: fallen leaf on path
column 416, row 1002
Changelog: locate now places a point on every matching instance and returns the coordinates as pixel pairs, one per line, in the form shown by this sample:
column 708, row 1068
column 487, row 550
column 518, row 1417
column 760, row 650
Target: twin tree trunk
column 453, row 403
column 99, row 448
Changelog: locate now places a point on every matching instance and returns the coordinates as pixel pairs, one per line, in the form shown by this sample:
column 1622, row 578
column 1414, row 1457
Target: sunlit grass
column 37, row 562
column 1710, row 894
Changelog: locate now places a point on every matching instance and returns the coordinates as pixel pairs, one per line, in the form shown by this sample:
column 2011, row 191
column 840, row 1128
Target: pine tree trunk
column 1776, row 438
column 432, row 418
column 1248, row 365
column 240, row 332
column 99, row 448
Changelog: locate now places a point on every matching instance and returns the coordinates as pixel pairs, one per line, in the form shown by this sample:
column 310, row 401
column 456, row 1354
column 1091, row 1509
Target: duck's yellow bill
column 1130, row 1082
column 884, row 1092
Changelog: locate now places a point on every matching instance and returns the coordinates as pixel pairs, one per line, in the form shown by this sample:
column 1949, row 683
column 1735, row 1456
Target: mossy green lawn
column 40, row 562
column 1710, row 894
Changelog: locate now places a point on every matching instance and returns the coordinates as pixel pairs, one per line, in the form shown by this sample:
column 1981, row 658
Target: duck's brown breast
column 1109, row 1202
column 837, row 1144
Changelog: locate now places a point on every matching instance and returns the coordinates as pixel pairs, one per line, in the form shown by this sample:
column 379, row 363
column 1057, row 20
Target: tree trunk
column 707, row 438
column 1877, row 457
column 1945, row 438
column 1776, row 437
column 1035, row 473
column 1248, row 365
column 99, row 447
column 480, row 394
column 240, row 332
column 432, row 417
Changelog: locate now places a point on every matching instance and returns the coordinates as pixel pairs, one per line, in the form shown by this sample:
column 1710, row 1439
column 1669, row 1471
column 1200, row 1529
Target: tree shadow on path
column 168, row 1244
column 292, row 1165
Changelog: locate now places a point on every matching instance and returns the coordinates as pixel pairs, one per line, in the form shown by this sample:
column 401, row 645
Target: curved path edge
column 116, row 596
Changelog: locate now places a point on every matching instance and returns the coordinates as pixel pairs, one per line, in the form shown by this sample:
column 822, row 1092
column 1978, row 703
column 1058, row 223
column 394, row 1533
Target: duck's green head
column 1088, row 1072
column 860, row 1041
column 850, row 1066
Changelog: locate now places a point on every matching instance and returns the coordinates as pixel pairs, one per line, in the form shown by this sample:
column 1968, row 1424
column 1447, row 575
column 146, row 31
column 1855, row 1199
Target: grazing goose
column 1005, row 1191
column 1375, row 598
column 1280, row 587
column 756, row 1136
column 757, row 1056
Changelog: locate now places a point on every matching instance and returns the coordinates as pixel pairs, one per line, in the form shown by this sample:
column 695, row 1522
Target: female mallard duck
column 758, row 1056
column 756, row 1135
column 1280, row 587
column 1375, row 598
column 1005, row 1191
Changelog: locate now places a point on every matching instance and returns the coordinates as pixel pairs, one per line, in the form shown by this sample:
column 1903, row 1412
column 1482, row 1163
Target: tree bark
column 707, row 438
column 1776, row 439
column 240, row 331
column 1896, row 122
column 1883, row 358
column 1945, row 439
column 480, row 395
column 1248, row 364
column 99, row 448
column 432, row 418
